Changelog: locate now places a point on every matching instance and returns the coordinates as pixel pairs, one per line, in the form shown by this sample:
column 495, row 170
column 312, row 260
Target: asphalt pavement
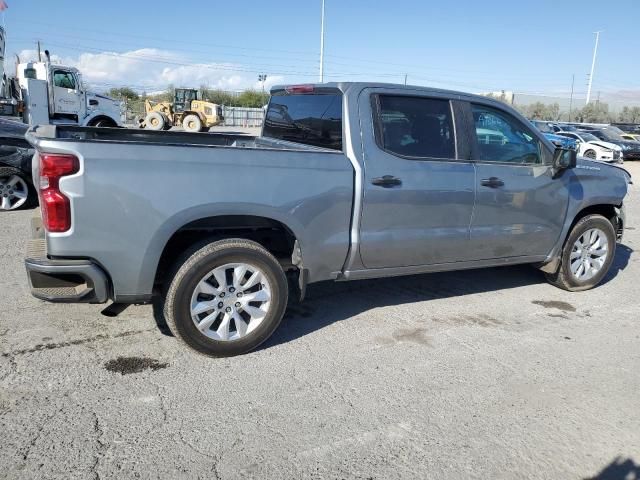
column 479, row 374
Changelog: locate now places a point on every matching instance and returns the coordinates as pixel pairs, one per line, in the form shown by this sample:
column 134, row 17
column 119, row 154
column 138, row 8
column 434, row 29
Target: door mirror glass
column 564, row 158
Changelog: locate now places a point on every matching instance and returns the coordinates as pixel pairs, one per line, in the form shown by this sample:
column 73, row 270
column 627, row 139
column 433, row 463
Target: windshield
column 611, row 135
column 587, row 137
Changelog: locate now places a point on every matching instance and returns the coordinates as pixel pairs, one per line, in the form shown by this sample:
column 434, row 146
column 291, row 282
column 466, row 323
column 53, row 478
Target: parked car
column 16, row 187
column 630, row 136
column 592, row 147
column 630, row 149
column 633, row 128
column 347, row 181
column 547, row 128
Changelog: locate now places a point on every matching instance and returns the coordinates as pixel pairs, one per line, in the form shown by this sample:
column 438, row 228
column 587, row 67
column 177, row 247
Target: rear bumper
column 64, row 280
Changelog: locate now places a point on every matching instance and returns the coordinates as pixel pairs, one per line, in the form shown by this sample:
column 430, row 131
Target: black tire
column 590, row 154
column 105, row 123
column 201, row 260
column 563, row 278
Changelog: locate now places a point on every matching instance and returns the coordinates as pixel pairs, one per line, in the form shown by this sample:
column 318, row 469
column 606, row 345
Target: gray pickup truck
column 347, row 181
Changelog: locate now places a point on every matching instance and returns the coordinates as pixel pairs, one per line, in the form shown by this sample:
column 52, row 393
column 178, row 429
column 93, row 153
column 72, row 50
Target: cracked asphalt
column 480, row 374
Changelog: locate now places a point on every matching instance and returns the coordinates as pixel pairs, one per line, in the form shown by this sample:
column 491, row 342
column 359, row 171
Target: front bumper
column 63, row 280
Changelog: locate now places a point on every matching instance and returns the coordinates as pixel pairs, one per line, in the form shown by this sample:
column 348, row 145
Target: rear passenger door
column 520, row 208
column 418, row 197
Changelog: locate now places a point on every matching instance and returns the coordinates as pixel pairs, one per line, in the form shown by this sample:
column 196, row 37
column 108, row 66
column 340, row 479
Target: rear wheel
column 590, row 154
column 154, row 121
column 226, row 298
column 192, row 123
column 586, row 255
column 14, row 192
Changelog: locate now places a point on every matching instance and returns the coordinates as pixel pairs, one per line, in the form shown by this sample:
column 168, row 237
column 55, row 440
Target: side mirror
column 564, row 159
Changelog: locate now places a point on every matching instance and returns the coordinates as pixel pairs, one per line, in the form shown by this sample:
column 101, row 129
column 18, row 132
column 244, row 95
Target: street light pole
column 322, row 44
column 593, row 65
column 573, row 79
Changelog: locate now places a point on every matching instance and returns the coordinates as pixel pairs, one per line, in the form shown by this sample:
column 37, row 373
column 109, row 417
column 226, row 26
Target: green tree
column 123, row 93
column 252, row 99
column 595, row 112
column 630, row 115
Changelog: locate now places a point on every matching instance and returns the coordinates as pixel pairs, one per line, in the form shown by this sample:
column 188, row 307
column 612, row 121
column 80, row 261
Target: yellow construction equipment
column 186, row 110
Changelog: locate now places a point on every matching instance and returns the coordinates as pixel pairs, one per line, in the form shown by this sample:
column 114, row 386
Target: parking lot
column 477, row 374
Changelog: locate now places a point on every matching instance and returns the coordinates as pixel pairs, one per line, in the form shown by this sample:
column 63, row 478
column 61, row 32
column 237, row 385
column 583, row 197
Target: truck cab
column 68, row 100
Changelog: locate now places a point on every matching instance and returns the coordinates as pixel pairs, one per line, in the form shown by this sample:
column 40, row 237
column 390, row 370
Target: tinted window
column 502, row 138
column 416, row 127
column 63, row 79
column 310, row 119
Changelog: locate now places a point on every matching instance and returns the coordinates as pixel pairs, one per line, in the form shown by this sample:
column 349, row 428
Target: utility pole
column 39, row 54
column 573, row 79
column 405, row 78
column 322, row 44
column 593, row 66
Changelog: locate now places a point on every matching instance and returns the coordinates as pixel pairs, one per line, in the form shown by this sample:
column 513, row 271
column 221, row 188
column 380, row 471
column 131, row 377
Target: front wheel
column 192, row 123
column 590, row 154
column 226, row 298
column 586, row 255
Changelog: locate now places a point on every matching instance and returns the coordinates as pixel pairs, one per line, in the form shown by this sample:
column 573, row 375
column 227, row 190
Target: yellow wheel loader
column 186, row 110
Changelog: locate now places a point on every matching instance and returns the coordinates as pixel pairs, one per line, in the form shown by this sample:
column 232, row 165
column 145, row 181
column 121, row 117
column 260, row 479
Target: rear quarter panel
column 129, row 199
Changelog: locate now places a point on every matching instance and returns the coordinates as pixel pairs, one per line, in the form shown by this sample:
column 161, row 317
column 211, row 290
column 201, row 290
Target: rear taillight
column 55, row 206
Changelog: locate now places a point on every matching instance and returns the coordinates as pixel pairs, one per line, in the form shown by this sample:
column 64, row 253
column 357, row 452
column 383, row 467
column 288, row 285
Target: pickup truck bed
column 141, row 187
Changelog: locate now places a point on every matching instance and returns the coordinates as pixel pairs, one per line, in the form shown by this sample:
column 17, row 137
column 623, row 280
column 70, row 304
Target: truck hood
column 103, row 101
column 603, row 144
column 591, row 168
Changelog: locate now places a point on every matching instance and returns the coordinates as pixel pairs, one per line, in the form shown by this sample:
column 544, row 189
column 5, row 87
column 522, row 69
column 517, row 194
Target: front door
column 418, row 197
column 66, row 93
column 520, row 208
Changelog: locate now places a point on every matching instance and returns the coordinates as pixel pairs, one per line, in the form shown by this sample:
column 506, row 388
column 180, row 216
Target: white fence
column 243, row 117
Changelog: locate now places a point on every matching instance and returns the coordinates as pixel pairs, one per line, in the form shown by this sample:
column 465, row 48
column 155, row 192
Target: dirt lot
column 481, row 374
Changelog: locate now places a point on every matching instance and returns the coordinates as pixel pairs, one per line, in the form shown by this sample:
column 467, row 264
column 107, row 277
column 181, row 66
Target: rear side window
column 311, row 119
column 416, row 127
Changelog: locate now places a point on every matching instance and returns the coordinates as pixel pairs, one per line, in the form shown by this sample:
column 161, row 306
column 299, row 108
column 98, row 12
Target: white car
column 592, row 147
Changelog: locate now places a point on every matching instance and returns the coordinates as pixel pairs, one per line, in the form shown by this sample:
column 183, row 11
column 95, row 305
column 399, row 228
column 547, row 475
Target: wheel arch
column 273, row 234
column 609, row 211
column 92, row 121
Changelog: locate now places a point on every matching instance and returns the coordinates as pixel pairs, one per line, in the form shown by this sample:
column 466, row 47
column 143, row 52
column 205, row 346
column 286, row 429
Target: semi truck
column 44, row 93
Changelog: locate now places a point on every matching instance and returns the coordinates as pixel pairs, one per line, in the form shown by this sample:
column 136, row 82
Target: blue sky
column 465, row 45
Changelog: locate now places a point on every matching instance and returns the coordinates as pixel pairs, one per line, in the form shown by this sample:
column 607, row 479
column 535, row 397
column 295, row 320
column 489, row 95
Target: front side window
column 502, row 138
column 64, row 79
column 416, row 127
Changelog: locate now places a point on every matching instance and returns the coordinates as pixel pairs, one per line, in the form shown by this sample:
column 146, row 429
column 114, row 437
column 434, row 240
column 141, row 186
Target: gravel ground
column 480, row 374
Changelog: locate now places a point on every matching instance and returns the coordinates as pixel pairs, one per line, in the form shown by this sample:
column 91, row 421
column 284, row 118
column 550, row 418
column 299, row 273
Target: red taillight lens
column 56, row 209
column 299, row 89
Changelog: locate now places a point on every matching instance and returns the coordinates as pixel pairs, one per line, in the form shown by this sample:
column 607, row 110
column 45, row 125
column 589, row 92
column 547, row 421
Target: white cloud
column 152, row 69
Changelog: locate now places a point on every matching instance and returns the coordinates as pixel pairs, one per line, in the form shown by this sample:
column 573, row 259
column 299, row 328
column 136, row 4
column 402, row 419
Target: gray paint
column 129, row 198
